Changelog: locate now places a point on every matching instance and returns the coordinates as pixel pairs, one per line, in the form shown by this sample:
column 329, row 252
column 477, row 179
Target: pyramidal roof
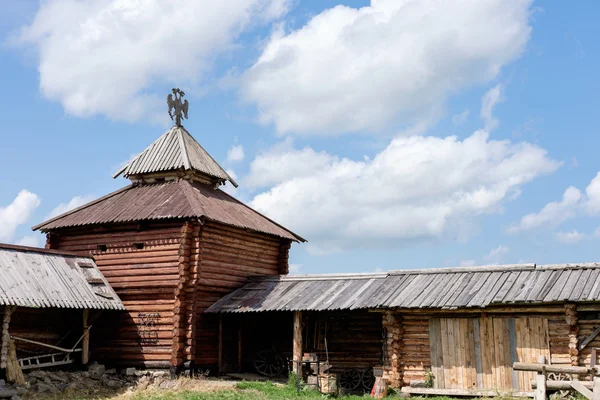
column 175, row 150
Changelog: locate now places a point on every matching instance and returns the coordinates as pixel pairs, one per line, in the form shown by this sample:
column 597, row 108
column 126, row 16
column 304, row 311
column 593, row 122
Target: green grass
column 245, row 391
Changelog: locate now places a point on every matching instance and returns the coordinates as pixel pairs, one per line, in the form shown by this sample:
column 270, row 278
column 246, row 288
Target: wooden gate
column 477, row 353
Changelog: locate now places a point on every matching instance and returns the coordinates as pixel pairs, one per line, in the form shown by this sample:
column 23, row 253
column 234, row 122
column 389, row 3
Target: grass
column 243, row 391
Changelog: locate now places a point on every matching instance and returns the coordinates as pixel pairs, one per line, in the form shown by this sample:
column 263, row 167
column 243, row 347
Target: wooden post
column 221, row 344
column 596, row 387
column 8, row 310
column 85, row 344
column 239, row 360
column 540, row 380
column 297, row 347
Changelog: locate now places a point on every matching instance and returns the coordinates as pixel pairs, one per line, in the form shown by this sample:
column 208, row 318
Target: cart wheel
column 368, row 379
column 350, row 379
column 268, row 363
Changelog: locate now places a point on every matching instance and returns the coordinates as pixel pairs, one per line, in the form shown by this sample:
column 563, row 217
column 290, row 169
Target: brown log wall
column 227, row 256
column 145, row 280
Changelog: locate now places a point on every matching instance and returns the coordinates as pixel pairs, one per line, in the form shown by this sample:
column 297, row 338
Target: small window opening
column 160, row 180
column 138, row 246
column 102, row 247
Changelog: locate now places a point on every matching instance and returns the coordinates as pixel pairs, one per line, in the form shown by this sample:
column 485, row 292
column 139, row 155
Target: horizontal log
column 518, row 366
column 464, row 392
column 561, row 385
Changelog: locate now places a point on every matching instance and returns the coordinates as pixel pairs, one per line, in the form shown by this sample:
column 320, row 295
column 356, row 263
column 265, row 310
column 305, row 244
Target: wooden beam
column 540, row 390
column 596, row 388
column 581, row 388
column 464, row 392
column 85, row 344
column 551, row 368
column 588, row 339
column 297, row 345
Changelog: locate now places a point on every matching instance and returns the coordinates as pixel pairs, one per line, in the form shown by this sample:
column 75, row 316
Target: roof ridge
column 184, row 150
column 91, row 203
column 300, row 238
column 41, row 250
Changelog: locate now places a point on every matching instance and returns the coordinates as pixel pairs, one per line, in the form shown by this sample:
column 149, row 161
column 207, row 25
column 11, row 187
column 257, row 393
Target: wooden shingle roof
column 175, row 150
column 178, row 199
column 448, row 288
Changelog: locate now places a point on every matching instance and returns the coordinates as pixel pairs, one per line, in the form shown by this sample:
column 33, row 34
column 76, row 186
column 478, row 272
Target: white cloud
column 417, row 188
column 467, row 263
column 356, row 69
column 75, row 202
column 572, row 237
column 553, row 213
column 496, row 254
column 488, row 102
column 593, row 195
column 295, row 268
column 235, row 153
column 34, row 240
column 461, row 118
column 17, row 213
column 100, row 57
column 228, row 187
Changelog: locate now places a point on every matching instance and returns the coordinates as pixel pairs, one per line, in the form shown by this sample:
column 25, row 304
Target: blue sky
column 391, row 135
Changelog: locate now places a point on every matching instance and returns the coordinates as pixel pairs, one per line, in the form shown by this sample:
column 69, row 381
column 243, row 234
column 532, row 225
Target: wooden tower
column 170, row 243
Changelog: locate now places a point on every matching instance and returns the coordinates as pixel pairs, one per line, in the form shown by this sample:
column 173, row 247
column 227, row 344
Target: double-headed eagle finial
column 177, row 108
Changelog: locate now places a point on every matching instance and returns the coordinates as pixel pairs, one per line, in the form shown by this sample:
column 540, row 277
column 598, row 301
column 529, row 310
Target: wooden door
column 477, row 353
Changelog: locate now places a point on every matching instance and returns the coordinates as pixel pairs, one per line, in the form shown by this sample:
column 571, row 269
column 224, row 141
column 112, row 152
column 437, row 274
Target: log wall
column 144, row 278
column 227, row 256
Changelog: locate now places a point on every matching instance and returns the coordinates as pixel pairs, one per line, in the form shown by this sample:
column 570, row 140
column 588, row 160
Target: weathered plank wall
column 142, row 265
column 227, row 256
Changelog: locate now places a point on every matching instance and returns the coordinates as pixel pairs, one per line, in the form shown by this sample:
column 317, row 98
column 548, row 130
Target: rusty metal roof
column 168, row 200
column 449, row 288
column 39, row 278
column 174, row 150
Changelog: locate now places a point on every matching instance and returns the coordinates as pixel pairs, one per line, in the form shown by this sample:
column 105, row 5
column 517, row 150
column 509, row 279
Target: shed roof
column 168, row 200
column 448, row 288
column 39, row 278
column 176, row 149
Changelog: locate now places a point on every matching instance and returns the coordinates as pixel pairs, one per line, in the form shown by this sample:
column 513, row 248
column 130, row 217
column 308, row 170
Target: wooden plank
column 540, row 390
column 459, row 349
column 486, row 364
column 297, row 345
column 444, row 350
column 577, row 385
column 512, row 333
column 85, row 343
column 477, row 349
column 464, row 392
column 589, row 339
column 436, row 352
column 596, row 388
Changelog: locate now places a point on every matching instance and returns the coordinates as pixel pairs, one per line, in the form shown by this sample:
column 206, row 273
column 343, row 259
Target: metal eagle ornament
column 177, row 108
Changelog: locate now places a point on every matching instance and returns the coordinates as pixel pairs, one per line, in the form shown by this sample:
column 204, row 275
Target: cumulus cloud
column 417, row 188
column 100, row 57
column 35, row 240
column 235, row 153
column 17, row 213
column 572, row 204
column 75, row 202
column 496, row 254
column 572, row 237
column 467, row 263
column 489, row 101
column 356, row 69
column 552, row 214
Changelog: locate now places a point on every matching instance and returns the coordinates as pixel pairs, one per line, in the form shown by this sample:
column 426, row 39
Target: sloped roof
column 168, row 200
column 174, row 150
column 39, row 278
column 449, row 288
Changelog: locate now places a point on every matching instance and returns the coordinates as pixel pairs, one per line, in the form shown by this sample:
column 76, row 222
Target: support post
column 85, row 344
column 573, row 322
column 220, row 365
column 596, row 387
column 297, row 347
column 8, row 311
column 540, row 380
column 239, row 360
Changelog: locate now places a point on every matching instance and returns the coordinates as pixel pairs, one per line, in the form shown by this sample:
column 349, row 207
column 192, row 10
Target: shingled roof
column 178, row 199
column 33, row 277
column 448, row 288
column 175, row 150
